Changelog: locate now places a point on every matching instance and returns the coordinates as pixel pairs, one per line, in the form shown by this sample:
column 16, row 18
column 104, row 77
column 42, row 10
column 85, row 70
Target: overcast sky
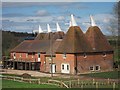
column 26, row 16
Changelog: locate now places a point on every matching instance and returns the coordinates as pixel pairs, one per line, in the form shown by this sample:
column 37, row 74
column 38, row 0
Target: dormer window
column 104, row 54
column 85, row 56
column 64, row 56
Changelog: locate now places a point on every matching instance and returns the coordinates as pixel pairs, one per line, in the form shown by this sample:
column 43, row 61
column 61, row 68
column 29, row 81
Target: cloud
column 103, row 21
column 59, row 1
column 29, row 4
column 60, row 18
column 13, row 15
column 42, row 13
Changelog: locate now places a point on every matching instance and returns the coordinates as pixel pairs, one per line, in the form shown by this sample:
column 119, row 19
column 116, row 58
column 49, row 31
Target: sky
column 27, row 16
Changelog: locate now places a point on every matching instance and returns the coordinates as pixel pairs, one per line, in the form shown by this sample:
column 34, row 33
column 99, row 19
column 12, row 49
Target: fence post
column 96, row 85
column 78, row 81
column 39, row 81
column 114, row 86
column 70, row 84
column 108, row 81
column 82, row 84
column 21, row 78
column 93, row 81
column 30, row 80
column 61, row 83
column 14, row 78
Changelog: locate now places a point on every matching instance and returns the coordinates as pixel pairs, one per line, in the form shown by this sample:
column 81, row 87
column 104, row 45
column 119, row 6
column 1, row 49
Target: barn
column 73, row 52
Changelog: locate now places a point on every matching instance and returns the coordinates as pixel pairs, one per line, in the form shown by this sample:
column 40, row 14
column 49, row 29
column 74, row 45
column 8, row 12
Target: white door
column 14, row 56
column 65, row 68
column 39, row 57
column 53, row 68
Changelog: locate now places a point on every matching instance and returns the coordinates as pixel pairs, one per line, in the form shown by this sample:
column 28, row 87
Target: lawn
column 14, row 84
column 111, row 74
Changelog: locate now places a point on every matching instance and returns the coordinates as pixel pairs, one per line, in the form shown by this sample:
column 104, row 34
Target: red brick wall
column 46, row 63
column 23, row 57
column 42, row 66
column 70, row 59
column 105, row 63
column 83, row 64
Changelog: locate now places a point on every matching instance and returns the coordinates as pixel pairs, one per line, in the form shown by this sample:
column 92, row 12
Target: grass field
column 111, row 75
column 14, row 84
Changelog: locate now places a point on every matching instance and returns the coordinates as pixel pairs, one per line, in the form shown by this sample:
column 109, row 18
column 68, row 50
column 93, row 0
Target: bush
column 26, row 75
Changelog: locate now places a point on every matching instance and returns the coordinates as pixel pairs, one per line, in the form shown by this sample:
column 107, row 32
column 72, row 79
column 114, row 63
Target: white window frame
column 26, row 55
column 98, row 67
column 104, row 54
column 64, row 56
column 92, row 69
column 66, row 68
column 14, row 55
column 38, row 55
column 63, row 67
column 20, row 55
column 85, row 55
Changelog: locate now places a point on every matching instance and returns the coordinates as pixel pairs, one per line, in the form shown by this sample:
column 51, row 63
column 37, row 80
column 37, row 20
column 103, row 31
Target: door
column 53, row 68
column 39, row 57
column 65, row 68
column 14, row 56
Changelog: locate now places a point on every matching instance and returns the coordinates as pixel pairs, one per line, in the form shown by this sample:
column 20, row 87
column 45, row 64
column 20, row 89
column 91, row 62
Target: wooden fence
column 68, row 84
column 91, row 84
column 35, row 81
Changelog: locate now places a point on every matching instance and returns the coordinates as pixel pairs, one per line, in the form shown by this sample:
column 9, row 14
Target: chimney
column 40, row 29
column 73, row 22
column 49, row 29
column 92, row 21
column 58, row 27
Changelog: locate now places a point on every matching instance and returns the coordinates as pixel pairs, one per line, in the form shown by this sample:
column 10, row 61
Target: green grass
column 111, row 74
column 15, row 84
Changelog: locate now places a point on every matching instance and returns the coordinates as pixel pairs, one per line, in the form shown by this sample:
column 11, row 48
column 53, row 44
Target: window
column 91, row 68
column 64, row 56
column 13, row 54
column 104, row 54
column 32, row 55
column 55, row 68
column 26, row 55
column 85, row 56
column 62, row 67
column 20, row 55
column 67, row 67
column 97, row 67
column 38, row 55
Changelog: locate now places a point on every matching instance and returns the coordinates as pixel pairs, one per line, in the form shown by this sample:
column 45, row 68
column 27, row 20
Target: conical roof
column 97, row 40
column 40, row 36
column 51, row 35
column 74, row 42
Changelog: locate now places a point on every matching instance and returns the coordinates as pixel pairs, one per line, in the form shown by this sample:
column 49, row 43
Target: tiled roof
column 97, row 40
column 47, row 36
column 32, row 46
column 37, row 46
column 40, row 36
column 74, row 42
